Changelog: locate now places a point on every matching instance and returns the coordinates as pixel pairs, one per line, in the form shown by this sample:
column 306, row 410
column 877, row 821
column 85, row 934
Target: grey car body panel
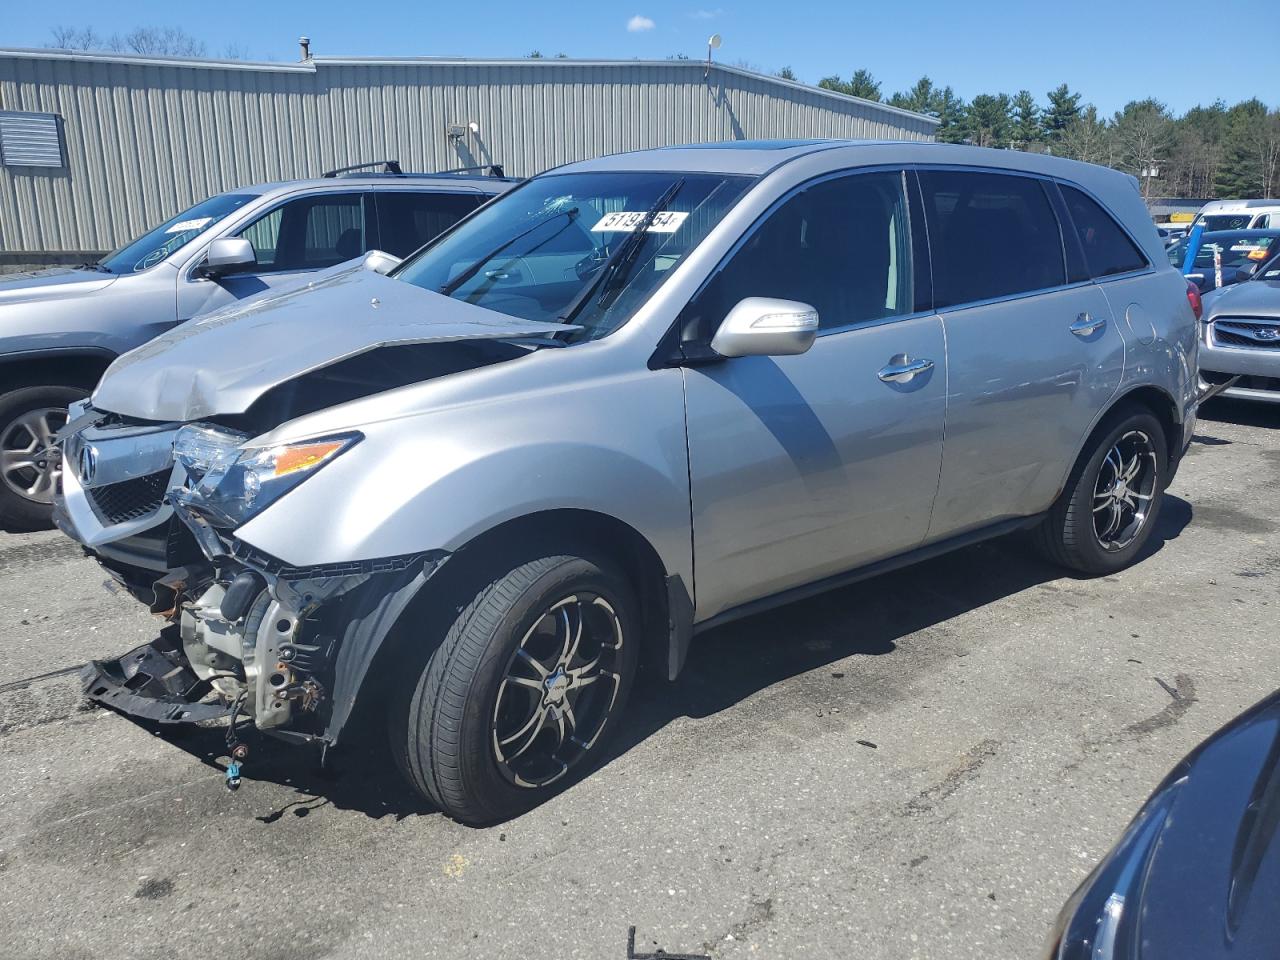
column 834, row 467
column 765, row 472
column 223, row 362
column 491, row 445
column 1253, row 300
column 1022, row 392
column 46, row 309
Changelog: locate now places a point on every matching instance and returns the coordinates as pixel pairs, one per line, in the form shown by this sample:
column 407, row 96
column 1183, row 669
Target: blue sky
column 1111, row 52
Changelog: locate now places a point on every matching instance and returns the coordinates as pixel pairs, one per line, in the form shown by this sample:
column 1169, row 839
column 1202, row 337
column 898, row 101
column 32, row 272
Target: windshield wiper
column 620, row 261
column 472, row 270
column 96, row 267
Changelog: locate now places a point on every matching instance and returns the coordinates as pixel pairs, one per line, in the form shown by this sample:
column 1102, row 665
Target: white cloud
column 639, row 24
column 706, row 14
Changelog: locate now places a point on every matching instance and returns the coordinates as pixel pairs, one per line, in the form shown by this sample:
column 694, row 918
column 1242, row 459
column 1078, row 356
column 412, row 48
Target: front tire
column 29, row 465
column 1108, row 510
column 518, row 699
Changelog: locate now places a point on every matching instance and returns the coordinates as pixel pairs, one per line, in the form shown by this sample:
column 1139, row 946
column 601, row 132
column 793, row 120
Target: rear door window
column 309, row 233
column 408, row 220
column 1107, row 248
column 991, row 235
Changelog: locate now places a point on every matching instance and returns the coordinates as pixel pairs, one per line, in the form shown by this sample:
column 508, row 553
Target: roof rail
column 392, row 168
column 490, row 169
column 388, row 166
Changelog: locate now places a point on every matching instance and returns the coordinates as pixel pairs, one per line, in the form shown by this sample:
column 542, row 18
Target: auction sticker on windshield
column 182, row 226
column 625, row 221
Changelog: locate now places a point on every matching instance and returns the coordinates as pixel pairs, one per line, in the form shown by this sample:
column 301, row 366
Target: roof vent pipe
column 305, row 44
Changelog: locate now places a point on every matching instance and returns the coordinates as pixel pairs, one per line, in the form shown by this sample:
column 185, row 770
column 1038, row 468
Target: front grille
column 1255, row 334
column 129, row 499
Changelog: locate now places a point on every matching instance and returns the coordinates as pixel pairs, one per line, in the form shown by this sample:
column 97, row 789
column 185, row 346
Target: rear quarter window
column 1107, row 248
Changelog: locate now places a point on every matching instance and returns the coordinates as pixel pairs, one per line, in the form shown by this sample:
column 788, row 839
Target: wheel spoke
column 529, row 659
column 528, row 733
column 12, row 460
column 573, row 636
column 1113, row 460
column 525, row 682
column 1113, row 521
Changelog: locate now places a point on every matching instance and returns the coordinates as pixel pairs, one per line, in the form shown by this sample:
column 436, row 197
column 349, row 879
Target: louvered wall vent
column 30, row 139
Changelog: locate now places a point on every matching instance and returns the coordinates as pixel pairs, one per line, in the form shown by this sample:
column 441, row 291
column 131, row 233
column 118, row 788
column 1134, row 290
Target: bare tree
column 1143, row 133
column 1085, row 138
column 77, row 38
column 163, row 42
column 147, row 41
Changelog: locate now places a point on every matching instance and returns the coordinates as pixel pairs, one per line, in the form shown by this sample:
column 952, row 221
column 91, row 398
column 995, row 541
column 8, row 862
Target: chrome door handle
column 902, row 368
column 1086, row 325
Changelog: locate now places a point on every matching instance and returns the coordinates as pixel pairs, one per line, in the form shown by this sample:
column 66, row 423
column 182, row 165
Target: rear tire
column 508, row 709
column 1112, row 499
column 28, row 418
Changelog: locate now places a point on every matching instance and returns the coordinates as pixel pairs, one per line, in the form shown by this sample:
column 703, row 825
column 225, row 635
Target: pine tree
column 1242, row 173
column 986, row 122
column 861, row 84
column 922, row 98
column 951, row 114
column 1064, row 107
column 1026, row 120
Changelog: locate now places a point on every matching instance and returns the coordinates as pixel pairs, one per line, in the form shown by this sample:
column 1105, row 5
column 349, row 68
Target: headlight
column 230, row 481
column 1099, row 921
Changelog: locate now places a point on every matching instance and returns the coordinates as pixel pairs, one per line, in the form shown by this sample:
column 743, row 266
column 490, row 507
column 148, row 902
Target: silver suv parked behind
column 60, row 328
column 631, row 399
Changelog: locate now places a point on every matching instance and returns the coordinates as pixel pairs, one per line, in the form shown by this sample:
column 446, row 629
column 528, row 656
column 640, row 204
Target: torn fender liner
column 223, row 362
column 152, row 682
column 371, row 619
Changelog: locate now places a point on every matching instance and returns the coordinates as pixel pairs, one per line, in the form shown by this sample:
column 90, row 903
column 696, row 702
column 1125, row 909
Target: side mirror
column 765, row 327
column 381, row 262
column 229, row 255
column 1242, row 274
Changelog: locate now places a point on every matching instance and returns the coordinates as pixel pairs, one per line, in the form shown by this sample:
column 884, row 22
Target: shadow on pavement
column 1247, row 413
column 725, row 666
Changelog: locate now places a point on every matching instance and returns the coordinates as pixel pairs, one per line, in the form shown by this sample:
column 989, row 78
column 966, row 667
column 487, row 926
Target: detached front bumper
column 152, row 682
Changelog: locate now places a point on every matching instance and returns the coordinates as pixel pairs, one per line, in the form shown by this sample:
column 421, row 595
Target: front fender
column 438, row 480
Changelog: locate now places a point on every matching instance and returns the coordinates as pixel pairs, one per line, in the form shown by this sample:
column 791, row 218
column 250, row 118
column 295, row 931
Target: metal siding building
column 146, row 137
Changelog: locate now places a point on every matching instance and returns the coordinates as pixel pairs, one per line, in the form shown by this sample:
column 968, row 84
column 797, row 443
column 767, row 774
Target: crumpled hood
column 1253, row 298
column 221, row 363
column 53, row 283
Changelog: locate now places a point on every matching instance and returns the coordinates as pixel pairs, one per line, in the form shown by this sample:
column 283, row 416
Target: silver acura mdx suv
column 629, row 400
column 60, row 328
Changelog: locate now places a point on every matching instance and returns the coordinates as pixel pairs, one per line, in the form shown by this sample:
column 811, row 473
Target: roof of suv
column 758, row 157
column 1116, row 190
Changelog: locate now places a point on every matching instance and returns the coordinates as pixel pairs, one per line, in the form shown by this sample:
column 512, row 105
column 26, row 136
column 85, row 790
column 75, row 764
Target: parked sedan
column 1196, row 876
column 1223, row 254
column 632, row 399
column 1240, row 335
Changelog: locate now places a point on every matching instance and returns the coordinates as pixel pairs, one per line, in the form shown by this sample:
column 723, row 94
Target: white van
column 1239, row 215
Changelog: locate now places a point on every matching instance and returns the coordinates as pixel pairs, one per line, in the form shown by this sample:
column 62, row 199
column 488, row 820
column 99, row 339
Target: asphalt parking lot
column 923, row 765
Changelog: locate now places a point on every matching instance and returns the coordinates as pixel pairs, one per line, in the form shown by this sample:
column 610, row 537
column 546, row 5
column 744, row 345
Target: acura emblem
column 88, row 463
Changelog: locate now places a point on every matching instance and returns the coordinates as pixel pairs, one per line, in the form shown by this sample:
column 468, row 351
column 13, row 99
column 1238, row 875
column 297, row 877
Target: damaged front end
column 247, row 635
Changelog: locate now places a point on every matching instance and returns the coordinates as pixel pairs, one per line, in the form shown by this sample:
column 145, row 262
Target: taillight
column 1193, row 298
